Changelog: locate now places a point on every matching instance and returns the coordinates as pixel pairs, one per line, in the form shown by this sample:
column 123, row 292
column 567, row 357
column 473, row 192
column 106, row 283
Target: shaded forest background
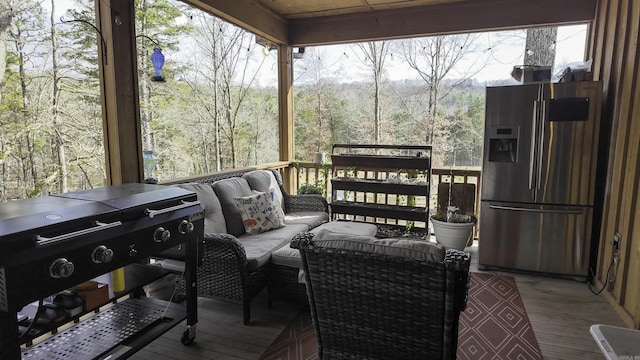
column 218, row 109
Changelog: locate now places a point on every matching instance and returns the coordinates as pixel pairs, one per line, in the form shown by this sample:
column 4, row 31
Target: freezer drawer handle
column 41, row 240
column 183, row 204
column 556, row 211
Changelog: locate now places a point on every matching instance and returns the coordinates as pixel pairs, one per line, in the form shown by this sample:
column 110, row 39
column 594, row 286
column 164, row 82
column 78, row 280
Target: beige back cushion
column 213, row 217
column 227, row 190
column 264, row 180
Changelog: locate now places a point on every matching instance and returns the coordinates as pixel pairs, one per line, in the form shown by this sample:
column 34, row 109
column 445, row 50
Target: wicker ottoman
column 285, row 279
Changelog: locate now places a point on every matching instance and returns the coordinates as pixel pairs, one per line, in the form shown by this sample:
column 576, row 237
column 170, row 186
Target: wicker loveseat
column 234, row 265
column 383, row 298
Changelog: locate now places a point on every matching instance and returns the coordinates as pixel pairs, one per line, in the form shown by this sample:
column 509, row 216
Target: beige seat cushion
column 411, row 249
column 260, row 247
column 348, row 227
column 309, row 218
column 286, row 256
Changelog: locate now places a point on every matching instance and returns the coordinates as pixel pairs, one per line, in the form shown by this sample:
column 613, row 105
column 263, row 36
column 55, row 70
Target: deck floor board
column 560, row 312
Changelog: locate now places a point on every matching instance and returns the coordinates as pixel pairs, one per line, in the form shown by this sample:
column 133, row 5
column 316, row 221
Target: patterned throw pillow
column 260, row 212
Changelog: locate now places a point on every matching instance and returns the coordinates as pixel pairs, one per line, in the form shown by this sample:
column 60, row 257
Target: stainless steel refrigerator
column 539, row 177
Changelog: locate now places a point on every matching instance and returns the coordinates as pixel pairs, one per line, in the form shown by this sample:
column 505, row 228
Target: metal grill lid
column 21, row 221
column 134, row 198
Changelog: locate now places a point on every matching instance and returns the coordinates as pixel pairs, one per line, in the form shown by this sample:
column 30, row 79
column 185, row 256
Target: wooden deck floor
column 561, row 312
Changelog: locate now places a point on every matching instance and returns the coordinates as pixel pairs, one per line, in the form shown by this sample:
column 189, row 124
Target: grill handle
column 183, row 204
column 42, row 241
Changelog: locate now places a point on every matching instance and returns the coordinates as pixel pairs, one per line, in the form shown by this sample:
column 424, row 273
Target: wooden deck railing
column 320, row 175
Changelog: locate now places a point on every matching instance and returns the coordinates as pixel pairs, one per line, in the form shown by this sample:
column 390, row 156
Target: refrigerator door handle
column 543, row 116
column 551, row 211
column 532, row 152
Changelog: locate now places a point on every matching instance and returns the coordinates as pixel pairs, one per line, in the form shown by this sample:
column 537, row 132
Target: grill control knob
column 61, row 268
column 185, row 227
column 102, row 254
column 161, row 235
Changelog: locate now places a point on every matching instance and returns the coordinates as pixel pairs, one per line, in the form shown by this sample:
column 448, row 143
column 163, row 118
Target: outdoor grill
column 52, row 243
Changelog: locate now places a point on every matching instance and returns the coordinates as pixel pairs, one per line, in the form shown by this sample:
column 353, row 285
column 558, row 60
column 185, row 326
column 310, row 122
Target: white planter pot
column 319, row 157
column 452, row 235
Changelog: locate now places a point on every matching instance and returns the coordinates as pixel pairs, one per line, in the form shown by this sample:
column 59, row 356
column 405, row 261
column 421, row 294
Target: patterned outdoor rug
column 493, row 326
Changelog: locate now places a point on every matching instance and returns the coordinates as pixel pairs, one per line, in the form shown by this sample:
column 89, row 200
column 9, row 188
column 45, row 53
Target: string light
column 103, row 42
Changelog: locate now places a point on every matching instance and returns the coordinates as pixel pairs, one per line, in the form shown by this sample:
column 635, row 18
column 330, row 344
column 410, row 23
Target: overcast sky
column 500, row 52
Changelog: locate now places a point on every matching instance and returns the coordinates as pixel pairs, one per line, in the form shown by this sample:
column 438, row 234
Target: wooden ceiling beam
column 458, row 17
column 250, row 15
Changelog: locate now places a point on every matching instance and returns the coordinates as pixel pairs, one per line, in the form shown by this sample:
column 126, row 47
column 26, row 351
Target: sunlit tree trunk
column 146, row 113
column 375, row 53
column 27, row 157
column 6, row 15
column 540, row 48
column 55, row 99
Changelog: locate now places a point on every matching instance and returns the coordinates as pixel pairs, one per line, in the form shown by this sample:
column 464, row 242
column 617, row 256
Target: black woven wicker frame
column 223, row 272
column 283, row 285
column 370, row 306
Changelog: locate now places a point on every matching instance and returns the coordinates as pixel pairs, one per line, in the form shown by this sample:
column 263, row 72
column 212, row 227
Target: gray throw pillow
column 264, row 180
column 227, row 190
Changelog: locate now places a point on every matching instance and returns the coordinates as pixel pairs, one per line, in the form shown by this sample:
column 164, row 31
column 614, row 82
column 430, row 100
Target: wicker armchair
column 366, row 305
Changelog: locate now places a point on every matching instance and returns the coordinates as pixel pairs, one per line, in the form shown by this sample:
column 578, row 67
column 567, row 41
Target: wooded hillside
column 216, row 110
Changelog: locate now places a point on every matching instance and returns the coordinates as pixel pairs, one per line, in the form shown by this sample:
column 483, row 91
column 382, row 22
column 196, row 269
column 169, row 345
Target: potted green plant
column 452, row 229
column 310, row 189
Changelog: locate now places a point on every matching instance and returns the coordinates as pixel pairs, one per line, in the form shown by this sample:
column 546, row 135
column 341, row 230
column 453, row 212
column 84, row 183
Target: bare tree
column 55, row 100
column 318, row 109
column 226, row 74
column 26, row 30
column 375, row 54
column 434, row 59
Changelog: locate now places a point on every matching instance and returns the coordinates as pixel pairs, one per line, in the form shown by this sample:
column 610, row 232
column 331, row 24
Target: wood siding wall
column 613, row 46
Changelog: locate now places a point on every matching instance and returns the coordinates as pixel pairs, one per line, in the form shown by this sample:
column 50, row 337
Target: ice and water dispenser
column 503, row 143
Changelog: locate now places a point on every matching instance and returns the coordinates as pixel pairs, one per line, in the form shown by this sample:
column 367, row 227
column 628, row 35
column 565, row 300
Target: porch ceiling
column 305, row 22
column 304, row 9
